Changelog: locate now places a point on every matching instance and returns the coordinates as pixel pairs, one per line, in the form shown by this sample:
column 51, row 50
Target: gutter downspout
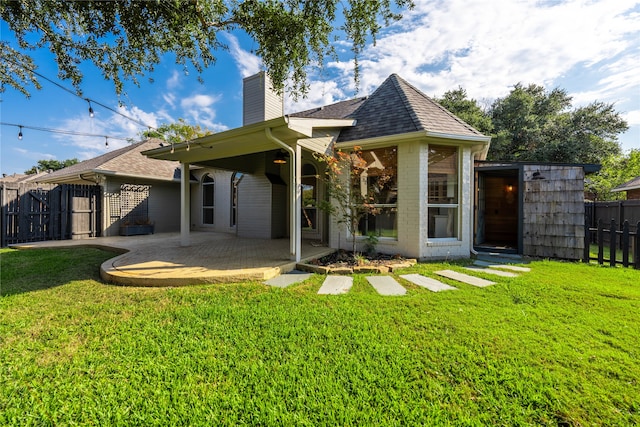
column 295, row 202
column 473, row 197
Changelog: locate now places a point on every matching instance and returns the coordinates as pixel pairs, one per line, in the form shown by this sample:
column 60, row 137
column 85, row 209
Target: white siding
column 413, row 238
column 163, row 205
column 260, row 102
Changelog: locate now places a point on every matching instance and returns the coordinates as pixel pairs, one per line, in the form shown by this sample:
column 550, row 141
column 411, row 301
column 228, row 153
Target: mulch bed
column 344, row 258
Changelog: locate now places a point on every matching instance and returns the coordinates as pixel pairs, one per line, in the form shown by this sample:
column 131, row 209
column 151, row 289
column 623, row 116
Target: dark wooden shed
column 533, row 209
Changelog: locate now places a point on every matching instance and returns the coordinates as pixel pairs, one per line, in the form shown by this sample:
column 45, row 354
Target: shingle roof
column 127, row 161
column 339, row 110
column 397, row 107
column 629, row 185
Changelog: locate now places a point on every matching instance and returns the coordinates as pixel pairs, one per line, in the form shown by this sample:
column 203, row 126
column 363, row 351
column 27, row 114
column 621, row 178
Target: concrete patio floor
column 159, row 260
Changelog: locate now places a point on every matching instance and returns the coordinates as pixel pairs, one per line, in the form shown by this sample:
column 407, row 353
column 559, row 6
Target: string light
column 61, row 131
column 106, row 141
column 74, row 93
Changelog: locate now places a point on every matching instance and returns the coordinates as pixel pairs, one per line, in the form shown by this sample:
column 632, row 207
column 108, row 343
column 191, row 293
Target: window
column 375, row 180
column 309, row 198
column 442, row 201
column 235, row 181
column 208, row 189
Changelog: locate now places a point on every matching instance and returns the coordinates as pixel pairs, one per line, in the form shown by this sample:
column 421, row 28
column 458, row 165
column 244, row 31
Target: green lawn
column 556, row 346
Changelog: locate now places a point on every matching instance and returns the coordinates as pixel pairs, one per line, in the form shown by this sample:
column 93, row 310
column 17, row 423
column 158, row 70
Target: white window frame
column 456, row 206
column 205, row 187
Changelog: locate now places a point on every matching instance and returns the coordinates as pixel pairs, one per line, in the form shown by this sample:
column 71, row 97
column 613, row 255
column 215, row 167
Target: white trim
column 185, row 205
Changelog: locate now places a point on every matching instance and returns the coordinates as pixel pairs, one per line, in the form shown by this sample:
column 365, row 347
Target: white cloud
column 320, row 93
column 199, row 109
column 487, row 46
column 33, row 155
column 248, row 63
column 591, row 48
column 118, row 129
column 173, row 82
column 633, row 119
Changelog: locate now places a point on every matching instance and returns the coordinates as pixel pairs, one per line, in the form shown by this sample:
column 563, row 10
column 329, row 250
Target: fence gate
column 32, row 213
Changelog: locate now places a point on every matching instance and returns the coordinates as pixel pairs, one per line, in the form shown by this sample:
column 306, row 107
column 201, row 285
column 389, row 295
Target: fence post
column 625, row 243
column 636, row 248
column 612, row 243
column 600, row 242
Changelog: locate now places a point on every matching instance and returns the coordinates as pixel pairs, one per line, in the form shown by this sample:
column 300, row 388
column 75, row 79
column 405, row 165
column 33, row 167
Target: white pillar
column 185, row 204
column 298, row 197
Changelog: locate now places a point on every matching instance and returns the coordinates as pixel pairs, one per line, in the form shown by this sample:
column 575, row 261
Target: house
column 252, row 180
column 135, row 188
column 632, row 188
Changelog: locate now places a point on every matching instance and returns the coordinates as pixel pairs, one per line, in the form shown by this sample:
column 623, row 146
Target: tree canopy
column 533, row 124
column 616, row 170
column 53, row 165
column 126, row 39
column 468, row 110
column 176, row 132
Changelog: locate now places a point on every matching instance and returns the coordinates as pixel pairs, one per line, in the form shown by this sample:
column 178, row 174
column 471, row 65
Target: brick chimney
column 259, row 100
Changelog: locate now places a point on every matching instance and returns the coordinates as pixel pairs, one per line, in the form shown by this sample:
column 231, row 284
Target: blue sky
column 589, row 48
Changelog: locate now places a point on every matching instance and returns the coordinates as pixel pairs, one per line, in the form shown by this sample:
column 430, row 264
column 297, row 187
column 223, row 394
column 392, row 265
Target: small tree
column 348, row 205
column 53, row 165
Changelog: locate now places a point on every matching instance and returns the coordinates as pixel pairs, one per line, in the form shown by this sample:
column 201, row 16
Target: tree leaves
column 126, row 39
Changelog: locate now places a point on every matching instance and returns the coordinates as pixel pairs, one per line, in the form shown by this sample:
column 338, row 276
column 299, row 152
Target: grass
column 593, row 253
column 556, row 346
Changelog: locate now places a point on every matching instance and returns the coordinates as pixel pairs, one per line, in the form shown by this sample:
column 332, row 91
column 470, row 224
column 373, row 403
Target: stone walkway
column 388, row 285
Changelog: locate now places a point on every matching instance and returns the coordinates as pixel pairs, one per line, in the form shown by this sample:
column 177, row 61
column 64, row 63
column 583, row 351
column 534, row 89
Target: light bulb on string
column 20, row 133
column 90, row 109
column 106, row 141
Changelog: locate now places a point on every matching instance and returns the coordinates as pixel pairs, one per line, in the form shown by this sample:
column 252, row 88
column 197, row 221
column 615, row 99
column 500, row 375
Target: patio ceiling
column 252, row 139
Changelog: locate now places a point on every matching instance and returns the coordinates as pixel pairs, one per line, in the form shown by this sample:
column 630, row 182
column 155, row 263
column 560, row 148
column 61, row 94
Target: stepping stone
column 386, row 285
column 336, row 285
column 492, row 271
column 501, row 266
column 500, row 258
column 427, row 282
column 465, row 278
column 288, row 279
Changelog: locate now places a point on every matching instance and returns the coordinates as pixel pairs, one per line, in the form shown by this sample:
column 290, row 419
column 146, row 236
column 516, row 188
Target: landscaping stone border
column 391, row 267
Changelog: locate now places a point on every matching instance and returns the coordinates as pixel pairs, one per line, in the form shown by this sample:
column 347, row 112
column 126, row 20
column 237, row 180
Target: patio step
column 465, row 278
column 336, row 285
column 427, row 282
column 288, row 279
column 386, row 285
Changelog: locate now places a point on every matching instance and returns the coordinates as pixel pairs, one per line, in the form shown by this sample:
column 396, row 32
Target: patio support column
column 185, row 204
column 298, row 198
column 295, row 194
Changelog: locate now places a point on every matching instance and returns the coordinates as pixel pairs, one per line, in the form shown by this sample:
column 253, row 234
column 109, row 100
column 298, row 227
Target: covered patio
column 161, row 259
column 252, row 149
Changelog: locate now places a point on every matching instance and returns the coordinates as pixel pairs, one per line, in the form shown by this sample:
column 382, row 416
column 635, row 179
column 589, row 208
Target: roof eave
column 288, row 129
column 480, row 141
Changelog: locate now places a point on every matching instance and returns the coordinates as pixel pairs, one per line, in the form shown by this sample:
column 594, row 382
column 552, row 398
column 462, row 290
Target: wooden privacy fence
column 33, row 213
column 623, row 241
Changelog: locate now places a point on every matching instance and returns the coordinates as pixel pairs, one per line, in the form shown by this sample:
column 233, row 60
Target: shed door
column 498, row 211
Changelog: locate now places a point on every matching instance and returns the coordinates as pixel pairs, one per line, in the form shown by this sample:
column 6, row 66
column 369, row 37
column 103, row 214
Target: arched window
column 208, row 204
column 235, row 180
column 309, row 197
